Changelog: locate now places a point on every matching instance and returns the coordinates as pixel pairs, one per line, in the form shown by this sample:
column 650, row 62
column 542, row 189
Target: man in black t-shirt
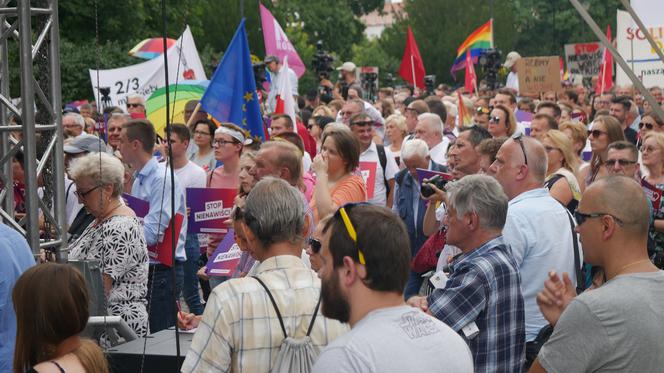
column 620, row 105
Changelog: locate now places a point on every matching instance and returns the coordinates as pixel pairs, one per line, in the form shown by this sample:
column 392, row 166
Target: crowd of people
column 376, row 236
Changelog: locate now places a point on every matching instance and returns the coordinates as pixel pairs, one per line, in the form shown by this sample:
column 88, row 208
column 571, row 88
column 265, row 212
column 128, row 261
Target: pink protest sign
column 225, row 258
column 277, row 43
column 368, row 171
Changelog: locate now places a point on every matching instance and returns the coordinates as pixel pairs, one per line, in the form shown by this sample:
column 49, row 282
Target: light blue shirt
column 16, row 258
column 540, row 236
column 151, row 184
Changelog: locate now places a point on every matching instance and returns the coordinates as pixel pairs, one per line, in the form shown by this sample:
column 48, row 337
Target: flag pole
column 601, row 83
column 412, row 68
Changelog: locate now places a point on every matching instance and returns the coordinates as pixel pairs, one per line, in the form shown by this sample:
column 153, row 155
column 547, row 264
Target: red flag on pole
column 605, row 81
column 471, row 77
column 412, row 67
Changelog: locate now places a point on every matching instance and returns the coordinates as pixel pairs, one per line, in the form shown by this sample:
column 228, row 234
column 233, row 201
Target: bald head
column 537, row 161
column 623, row 198
column 520, row 166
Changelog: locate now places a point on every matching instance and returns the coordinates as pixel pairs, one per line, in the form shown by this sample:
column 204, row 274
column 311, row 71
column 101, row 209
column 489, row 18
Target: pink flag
column 277, row 43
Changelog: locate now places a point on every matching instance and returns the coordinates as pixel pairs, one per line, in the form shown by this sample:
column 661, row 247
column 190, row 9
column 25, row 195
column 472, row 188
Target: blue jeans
column 413, row 285
column 190, row 284
column 161, row 308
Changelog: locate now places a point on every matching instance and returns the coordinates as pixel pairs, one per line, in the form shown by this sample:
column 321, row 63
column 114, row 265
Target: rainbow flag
column 481, row 39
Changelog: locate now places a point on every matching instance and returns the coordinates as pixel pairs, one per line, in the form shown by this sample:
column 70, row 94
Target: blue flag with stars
column 231, row 95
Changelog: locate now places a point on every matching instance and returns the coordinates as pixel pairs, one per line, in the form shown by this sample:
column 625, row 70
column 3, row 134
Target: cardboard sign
column 368, row 171
column 209, row 208
column 423, row 173
column 163, row 250
column 583, row 58
column 225, row 258
column 539, row 74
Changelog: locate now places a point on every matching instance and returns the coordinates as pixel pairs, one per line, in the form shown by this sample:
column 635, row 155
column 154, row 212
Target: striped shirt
column 240, row 331
column 484, row 288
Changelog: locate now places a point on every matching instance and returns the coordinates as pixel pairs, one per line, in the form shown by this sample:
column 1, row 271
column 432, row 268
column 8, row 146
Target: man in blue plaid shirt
column 482, row 298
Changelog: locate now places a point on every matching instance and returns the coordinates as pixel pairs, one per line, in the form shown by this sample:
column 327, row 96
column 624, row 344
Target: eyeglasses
column 347, row 113
column 134, row 105
column 550, row 148
column 315, row 245
column 648, row 149
column 201, row 133
column 362, row 123
column 596, row 133
column 223, row 142
column 648, row 126
column 519, row 138
column 83, row 194
column 581, row 217
column 482, row 110
column 622, row 162
column 342, row 213
column 494, row 119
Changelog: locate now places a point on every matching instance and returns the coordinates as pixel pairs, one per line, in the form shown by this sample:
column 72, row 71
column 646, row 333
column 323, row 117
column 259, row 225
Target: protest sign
column 583, row 59
column 114, row 85
column 637, row 52
column 277, row 43
column 368, row 171
column 209, row 209
column 423, row 173
column 539, row 74
column 225, row 258
column 163, row 250
column 654, row 195
column 524, row 118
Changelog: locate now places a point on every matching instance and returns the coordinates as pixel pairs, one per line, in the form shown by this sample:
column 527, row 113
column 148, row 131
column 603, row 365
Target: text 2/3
column 132, row 85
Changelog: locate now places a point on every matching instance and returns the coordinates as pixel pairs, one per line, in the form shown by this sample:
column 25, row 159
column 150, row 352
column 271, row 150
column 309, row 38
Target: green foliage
column 371, row 53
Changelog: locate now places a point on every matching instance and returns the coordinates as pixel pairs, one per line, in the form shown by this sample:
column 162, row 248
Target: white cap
column 347, row 66
column 511, row 59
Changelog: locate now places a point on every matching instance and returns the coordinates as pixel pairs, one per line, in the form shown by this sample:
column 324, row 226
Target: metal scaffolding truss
column 31, row 122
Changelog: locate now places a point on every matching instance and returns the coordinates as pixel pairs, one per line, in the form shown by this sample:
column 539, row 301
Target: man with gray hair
column 136, row 105
column 482, row 298
column 430, row 129
column 240, row 330
column 539, row 229
column 72, row 125
column 275, row 68
column 408, row 202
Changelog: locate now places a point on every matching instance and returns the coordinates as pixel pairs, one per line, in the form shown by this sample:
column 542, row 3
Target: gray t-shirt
column 397, row 339
column 616, row 328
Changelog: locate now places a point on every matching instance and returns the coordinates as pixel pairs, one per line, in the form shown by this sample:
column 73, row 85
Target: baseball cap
column 85, row 143
column 271, row 58
column 347, row 66
column 511, row 59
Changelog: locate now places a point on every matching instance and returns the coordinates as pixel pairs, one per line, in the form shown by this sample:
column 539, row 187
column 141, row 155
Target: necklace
column 631, row 264
column 107, row 215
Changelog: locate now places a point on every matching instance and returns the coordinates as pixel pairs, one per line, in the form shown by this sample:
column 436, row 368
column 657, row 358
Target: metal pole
column 643, row 28
column 29, row 133
column 56, row 101
column 5, row 145
column 602, row 38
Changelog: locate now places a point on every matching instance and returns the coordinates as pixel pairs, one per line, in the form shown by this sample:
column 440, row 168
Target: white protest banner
column 583, row 59
column 637, row 52
column 146, row 77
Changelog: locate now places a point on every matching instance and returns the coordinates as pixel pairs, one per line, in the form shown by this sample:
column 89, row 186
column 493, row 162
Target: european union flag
column 231, row 95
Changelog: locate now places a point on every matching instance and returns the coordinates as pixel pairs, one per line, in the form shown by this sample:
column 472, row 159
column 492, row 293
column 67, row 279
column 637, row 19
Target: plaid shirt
column 484, row 287
column 240, row 331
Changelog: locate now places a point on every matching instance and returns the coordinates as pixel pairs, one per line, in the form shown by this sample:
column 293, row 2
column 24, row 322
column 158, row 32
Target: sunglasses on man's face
column 134, row 105
column 482, row 110
column 519, row 138
column 622, row 162
column 315, row 245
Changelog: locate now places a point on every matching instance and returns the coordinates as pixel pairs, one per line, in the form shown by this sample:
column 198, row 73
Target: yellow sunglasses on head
column 350, row 228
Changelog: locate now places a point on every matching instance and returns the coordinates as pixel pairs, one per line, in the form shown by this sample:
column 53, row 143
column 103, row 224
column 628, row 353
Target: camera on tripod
column 322, row 62
column 430, row 83
column 490, row 63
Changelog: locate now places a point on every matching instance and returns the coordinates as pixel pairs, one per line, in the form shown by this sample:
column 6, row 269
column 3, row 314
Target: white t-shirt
column 191, row 176
column 72, row 207
column 512, row 81
column 397, row 339
column 391, row 168
column 437, row 153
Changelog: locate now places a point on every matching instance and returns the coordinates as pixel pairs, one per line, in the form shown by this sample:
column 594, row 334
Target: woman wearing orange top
column 336, row 181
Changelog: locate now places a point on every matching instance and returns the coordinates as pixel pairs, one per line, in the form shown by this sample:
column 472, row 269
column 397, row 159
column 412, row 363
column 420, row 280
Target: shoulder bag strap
column 274, row 304
column 382, row 157
column 313, row 318
column 580, row 283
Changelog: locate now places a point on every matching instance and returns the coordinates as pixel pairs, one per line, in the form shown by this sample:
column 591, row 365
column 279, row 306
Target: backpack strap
column 382, row 157
column 313, row 318
column 274, row 304
column 580, row 283
column 67, row 192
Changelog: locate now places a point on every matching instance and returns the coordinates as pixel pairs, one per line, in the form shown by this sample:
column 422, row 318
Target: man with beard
column 365, row 266
column 240, row 328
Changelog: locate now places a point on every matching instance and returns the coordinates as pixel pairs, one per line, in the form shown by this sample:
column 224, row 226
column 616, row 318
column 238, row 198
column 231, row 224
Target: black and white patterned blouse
column 119, row 245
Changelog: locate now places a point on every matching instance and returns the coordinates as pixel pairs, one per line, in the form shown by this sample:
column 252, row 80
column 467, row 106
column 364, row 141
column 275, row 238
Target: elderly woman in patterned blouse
column 115, row 238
